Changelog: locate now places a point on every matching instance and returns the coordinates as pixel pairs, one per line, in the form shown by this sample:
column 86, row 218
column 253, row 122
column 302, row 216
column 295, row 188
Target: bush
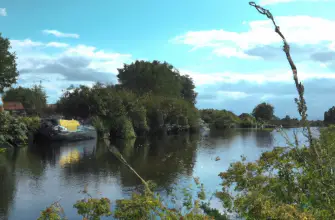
column 13, row 131
column 220, row 119
column 122, row 127
column 284, row 182
column 32, row 123
column 100, row 126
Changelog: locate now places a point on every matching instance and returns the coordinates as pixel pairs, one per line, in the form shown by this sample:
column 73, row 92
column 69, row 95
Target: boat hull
column 72, row 136
column 84, row 133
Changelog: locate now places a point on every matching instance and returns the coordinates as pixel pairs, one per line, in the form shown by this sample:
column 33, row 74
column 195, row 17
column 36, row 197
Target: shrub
column 13, row 131
column 32, row 123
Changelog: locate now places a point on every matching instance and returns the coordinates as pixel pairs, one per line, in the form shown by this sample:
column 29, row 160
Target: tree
column 263, row 111
column 329, row 116
column 8, row 70
column 157, row 78
column 33, row 99
column 287, row 118
column 187, row 91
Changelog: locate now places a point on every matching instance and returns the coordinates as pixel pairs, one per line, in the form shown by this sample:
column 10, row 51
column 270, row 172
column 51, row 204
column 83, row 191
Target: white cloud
column 233, row 95
column 279, row 75
column 300, row 30
column 60, row 34
column 28, row 43
column 57, row 44
column 231, row 52
column 81, row 64
column 92, row 52
column 332, row 46
column 3, row 12
column 73, row 63
column 16, row 44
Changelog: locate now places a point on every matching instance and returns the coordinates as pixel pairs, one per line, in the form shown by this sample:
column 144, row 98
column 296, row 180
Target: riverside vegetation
column 292, row 182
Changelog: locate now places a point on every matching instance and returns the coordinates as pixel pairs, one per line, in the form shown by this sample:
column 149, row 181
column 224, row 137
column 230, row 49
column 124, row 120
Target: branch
column 302, row 107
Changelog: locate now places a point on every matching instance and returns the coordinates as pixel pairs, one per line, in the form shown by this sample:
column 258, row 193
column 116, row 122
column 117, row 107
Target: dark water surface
column 34, row 177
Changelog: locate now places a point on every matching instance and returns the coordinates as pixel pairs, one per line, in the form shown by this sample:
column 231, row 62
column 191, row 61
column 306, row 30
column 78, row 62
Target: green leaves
column 8, row 70
column 161, row 79
column 329, row 116
column 13, row 130
column 220, row 119
column 263, row 111
column 53, row 212
column 285, row 183
column 33, row 99
column 126, row 114
column 93, row 209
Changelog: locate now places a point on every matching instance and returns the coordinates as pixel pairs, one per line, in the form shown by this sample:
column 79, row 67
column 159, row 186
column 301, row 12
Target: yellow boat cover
column 71, row 125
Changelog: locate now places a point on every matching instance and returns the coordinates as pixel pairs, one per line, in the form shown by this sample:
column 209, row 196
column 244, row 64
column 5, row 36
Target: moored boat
column 57, row 129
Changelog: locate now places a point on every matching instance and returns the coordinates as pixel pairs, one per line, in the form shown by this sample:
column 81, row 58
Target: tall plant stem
column 301, row 102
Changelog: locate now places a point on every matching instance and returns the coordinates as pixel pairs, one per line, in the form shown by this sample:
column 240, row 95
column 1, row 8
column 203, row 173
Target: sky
column 228, row 48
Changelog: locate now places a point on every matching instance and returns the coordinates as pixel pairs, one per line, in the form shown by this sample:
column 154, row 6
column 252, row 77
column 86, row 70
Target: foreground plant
column 93, row 209
column 296, row 182
column 13, row 131
column 53, row 212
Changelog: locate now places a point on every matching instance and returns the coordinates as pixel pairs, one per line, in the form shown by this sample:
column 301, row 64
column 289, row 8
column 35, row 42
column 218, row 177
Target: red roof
column 13, row 106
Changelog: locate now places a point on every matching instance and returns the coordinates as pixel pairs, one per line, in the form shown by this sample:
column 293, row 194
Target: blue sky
column 229, row 49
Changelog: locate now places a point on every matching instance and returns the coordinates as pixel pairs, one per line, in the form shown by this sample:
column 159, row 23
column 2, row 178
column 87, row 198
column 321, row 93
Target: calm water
column 34, row 177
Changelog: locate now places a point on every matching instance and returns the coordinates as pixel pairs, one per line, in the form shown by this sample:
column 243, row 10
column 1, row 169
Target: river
column 32, row 178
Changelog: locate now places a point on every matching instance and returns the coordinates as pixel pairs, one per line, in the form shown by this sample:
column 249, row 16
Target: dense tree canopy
column 150, row 96
column 156, row 78
column 187, row 90
column 329, row 116
column 8, row 70
column 119, row 109
column 33, row 99
column 263, row 111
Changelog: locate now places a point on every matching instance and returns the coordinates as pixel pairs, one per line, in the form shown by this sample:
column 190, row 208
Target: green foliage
column 157, row 78
column 145, row 77
column 187, row 91
column 247, row 121
column 286, row 183
column 220, row 119
column 93, row 209
column 13, row 131
column 32, row 123
column 139, row 206
column 8, row 70
column 100, row 126
column 123, row 128
column 33, row 99
column 287, row 122
column 122, row 112
column 77, row 102
column 263, row 112
column 329, row 116
column 213, row 212
column 53, row 212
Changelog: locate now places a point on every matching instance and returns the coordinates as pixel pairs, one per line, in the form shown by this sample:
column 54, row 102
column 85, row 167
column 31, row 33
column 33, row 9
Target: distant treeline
column 262, row 115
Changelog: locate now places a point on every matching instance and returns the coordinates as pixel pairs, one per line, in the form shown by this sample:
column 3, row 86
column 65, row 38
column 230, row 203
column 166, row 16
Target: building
column 52, row 106
column 14, row 107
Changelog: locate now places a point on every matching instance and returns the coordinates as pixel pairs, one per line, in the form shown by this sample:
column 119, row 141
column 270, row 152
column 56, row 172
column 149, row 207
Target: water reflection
column 34, row 177
column 264, row 139
column 7, row 185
